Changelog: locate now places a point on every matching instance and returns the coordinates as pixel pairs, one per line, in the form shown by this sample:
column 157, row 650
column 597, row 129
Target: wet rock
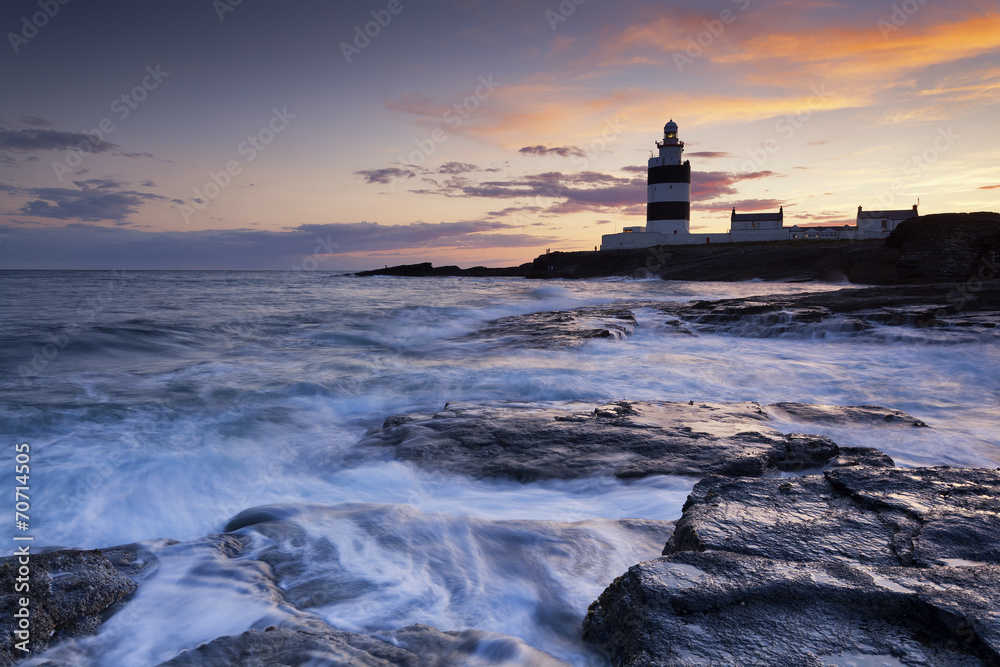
column 69, row 591
column 469, row 647
column 848, row 311
column 858, row 563
column 866, row 415
column 718, row 608
column 873, row 516
column 560, row 328
column 286, row 646
column 427, row 270
column 412, row 646
column 628, row 439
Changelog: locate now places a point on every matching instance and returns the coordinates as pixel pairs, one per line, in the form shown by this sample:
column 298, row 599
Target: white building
column 758, row 226
column 879, row 224
column 668, row 212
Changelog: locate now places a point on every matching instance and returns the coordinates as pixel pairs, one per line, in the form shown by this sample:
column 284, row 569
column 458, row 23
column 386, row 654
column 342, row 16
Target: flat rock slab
column 848, row 310
column 874, row 516
column 718, row 608
column 862, row 415
column 412, row 646
column 69, row 590
column 558, row 328
column 628, row 439
column 859, row 565
column 286, row 646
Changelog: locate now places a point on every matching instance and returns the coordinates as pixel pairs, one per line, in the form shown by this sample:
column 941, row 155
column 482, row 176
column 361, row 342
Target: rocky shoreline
column 945, row 307
column 851, row 557
column 791, row 549
column 857, row 565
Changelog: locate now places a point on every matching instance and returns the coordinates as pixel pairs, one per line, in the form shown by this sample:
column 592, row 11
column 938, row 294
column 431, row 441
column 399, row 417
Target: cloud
column 89, row 246
column 97, row 199
column 989, row 187
column 98, row 183
column 561, row 151
column 582, row 191
column 709, row 155
column 515, row 210
column 711, row 184
column 386, row 175
column 741, row 205
column 36, row 121
column 29, row 141
column 456, row 168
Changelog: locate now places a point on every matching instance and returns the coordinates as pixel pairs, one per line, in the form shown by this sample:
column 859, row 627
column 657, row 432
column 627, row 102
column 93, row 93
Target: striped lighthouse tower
column 668, row 190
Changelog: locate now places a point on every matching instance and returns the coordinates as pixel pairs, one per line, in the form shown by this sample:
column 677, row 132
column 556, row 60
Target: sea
column 160, row 405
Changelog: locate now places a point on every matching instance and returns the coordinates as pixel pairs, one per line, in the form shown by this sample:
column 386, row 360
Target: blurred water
column 161, row 404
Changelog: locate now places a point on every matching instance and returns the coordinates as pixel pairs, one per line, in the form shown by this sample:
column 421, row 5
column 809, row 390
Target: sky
column 310, row 135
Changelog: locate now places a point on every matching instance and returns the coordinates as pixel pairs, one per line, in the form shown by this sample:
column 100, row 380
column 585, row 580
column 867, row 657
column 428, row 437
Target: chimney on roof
column 859, row 211
column 733, row 216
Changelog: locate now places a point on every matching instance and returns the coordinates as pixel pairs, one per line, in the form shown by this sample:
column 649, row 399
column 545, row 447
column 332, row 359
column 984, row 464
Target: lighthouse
column 668, row 189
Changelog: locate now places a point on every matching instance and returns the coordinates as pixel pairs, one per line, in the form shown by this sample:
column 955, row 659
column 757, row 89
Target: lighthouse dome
column 670, row 132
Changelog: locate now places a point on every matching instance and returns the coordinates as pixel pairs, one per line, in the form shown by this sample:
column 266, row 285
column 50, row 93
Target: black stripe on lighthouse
column 671, row 173
column 668, row 210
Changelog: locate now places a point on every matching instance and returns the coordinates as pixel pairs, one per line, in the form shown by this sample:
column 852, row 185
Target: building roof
column 757, row 217
column 902, row 213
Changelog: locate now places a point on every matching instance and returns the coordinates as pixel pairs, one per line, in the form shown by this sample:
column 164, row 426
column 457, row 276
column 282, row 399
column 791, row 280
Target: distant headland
column 938, row 248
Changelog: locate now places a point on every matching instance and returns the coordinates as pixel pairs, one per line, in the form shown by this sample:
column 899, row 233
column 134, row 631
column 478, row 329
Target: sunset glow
column 258, row 135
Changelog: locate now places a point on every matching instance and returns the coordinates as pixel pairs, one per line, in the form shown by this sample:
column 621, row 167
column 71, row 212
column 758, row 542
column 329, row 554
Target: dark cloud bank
column 83, row 246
